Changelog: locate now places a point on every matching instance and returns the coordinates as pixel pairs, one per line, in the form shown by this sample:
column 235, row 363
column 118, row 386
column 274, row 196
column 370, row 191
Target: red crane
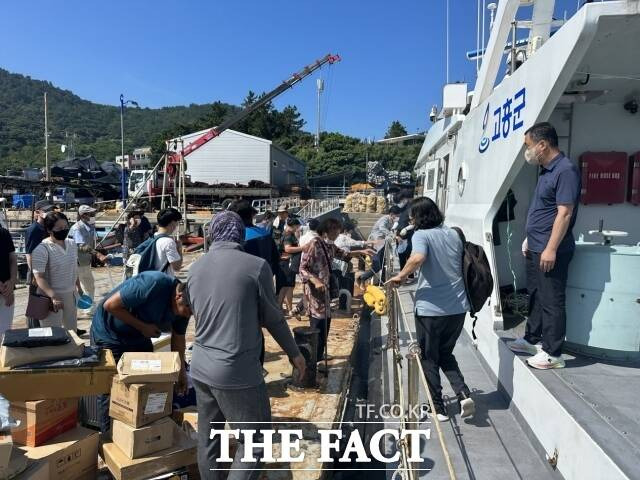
column 174, row 158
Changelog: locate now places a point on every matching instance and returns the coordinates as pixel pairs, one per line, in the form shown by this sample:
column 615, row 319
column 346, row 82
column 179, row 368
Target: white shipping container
column 236, row 157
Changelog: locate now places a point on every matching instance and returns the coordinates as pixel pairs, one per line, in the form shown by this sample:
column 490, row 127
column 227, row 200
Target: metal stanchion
column 413, row 384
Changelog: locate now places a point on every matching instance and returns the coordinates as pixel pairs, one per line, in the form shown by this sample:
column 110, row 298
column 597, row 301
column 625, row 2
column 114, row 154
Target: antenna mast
column 447, row 41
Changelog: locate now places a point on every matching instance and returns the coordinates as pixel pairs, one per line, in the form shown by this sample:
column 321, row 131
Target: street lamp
column 123, row 177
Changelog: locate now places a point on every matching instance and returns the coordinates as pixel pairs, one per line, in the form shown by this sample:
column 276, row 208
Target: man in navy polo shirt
column 548, row 247
column 136, row 311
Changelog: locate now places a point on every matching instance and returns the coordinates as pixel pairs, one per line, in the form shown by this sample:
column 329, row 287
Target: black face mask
column 61, row 234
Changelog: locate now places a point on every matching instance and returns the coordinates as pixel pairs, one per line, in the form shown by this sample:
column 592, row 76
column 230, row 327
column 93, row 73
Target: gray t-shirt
column 440, row 288
column 232, row 296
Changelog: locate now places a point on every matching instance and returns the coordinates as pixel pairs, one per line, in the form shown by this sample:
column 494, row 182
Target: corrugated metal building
column 236, row 157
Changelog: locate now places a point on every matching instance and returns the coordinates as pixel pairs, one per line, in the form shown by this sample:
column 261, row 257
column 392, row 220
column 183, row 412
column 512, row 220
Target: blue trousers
column 117, row 350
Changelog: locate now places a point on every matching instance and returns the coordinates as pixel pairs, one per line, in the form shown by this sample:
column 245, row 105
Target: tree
column 396, row 129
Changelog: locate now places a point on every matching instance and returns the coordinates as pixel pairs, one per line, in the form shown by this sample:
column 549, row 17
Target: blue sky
column 166, row 52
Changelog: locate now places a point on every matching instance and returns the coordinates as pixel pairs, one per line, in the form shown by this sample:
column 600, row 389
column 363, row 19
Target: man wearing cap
column 33, row 236
column 280, row 222
column 83, row 233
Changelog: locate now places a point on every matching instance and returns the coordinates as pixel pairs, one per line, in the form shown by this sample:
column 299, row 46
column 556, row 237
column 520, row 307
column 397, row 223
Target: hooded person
column 232, row 297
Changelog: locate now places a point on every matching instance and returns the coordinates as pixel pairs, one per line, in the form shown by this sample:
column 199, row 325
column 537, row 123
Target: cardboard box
column 187, row 415
column 182, row 453
column 140, row 442
column 25, row 385
column 140, row 404
column 71, row 456
column 43, row 420
column 17, row 356
column 6, row 446
column 146, row 367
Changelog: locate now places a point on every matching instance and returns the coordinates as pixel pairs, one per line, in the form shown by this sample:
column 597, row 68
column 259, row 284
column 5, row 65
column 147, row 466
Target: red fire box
column 604, row 177
column 633, row 192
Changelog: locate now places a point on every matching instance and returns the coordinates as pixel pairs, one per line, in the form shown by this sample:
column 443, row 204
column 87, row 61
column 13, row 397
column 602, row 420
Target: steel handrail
column 316, row 207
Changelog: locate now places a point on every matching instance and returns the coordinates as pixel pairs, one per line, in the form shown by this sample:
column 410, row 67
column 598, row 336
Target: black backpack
column 476, row 273
column 143, row 258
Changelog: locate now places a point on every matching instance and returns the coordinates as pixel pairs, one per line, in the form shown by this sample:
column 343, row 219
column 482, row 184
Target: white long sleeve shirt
column 345, row 242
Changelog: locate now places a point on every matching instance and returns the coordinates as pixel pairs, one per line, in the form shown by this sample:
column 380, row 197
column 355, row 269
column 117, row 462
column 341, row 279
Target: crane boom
column 242, row 114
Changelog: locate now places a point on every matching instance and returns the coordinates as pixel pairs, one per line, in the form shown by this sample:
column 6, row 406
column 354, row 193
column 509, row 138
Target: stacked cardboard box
column 47, row 441
column 145, row 441
column 43, row 420
column 70, row 456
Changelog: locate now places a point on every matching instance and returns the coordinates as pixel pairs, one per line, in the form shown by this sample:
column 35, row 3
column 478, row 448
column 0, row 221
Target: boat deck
column 492, row 444
column 602, row 397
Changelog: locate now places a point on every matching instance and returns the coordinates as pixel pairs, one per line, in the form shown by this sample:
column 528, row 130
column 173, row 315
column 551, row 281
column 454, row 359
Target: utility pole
column 123, row 177
column 320, row 88
column 46, row 140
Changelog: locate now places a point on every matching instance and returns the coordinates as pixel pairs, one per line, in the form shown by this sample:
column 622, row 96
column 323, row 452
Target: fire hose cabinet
column 604, row 177
column 633, row 192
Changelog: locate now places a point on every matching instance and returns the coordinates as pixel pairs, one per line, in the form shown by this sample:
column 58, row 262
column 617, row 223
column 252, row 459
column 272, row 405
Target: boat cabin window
column 431, row 179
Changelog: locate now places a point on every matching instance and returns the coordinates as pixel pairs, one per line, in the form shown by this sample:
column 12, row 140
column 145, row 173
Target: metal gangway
column 318, row 207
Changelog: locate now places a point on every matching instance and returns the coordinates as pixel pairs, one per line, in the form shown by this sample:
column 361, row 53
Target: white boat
column 584, row 79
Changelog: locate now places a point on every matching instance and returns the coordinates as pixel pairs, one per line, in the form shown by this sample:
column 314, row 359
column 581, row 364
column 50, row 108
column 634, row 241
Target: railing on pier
column 272, row 204
column 397, row 316
column 325, row 192
column 317, row 207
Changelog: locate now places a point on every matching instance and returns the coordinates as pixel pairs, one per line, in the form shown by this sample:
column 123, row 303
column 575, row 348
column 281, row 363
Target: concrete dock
column 308, row 409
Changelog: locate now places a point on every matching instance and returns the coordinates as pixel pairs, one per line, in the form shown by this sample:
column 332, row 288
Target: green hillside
column 96, row 126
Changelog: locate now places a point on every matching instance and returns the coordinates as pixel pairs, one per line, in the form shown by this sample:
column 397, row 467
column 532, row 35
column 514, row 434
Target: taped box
column 181, row 454
column 70, row 456
column 146, row 367
column 140, row 442
column 140, row 403
column 49, row 383
column 42, row 420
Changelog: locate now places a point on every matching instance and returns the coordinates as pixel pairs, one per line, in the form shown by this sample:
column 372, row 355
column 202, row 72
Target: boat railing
column 415, row 377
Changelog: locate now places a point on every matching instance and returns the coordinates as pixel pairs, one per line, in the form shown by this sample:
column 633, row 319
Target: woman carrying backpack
column 441, row 302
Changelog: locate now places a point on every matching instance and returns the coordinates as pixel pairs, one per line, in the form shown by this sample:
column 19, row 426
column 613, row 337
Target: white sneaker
column 520, row 345
column 442, row 417
column 543, row 361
